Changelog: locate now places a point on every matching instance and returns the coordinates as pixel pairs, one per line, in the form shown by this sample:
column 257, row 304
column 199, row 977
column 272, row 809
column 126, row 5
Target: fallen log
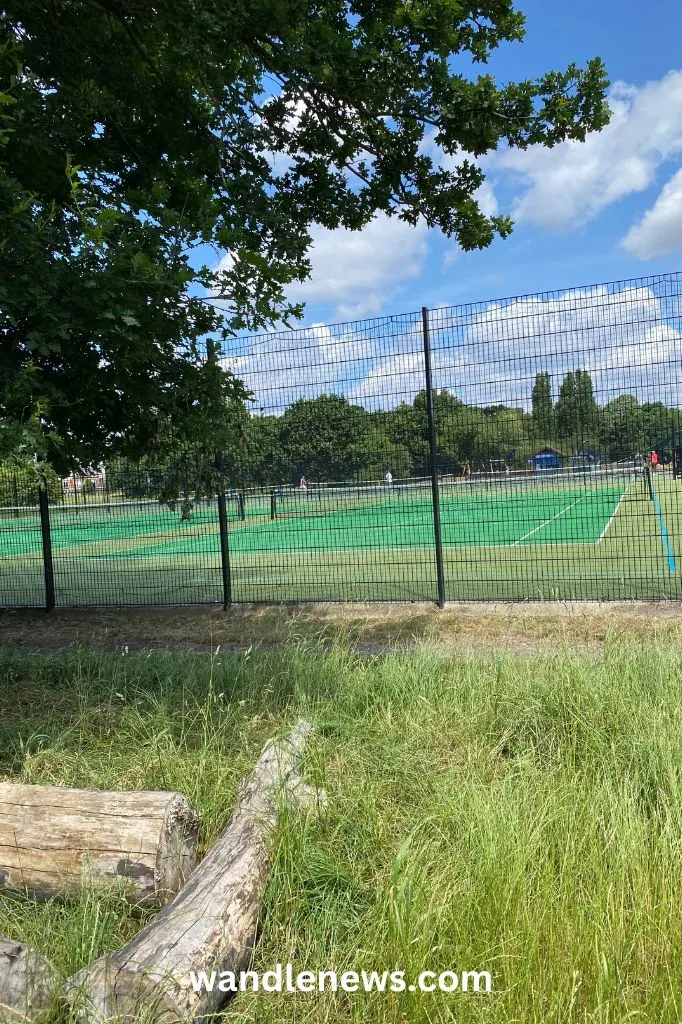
column 28, row 982
column 53, row 839
column 211, row 924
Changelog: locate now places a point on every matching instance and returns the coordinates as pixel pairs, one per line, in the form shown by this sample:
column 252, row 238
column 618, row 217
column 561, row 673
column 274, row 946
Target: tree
column 542, row 405
column 133, row 134
column 263, row 462
column 622, row 428
column 450, row 416
column 375, row 454
column 588, row 411
column 319, row 438
column 576, row 410
column 406, row 429
column 661, row 426
column 566, row 410
column 506, row 437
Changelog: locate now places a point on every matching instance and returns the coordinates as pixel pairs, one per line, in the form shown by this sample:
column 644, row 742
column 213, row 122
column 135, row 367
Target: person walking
column 389, row 479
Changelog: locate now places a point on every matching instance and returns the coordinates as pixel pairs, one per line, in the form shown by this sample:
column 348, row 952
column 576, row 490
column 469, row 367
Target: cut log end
column 176, row 856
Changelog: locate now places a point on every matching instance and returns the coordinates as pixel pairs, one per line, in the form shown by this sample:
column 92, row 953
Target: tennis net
column 324, row 499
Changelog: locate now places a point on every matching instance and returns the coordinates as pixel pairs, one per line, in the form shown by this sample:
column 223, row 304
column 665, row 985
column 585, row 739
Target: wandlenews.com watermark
column 283, row 978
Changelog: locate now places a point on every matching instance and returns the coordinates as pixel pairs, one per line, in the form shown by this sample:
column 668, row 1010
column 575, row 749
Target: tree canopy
column 133, row 133
column 329, row 439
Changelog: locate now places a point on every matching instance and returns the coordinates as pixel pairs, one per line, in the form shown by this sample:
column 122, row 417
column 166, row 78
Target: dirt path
column 520, row 629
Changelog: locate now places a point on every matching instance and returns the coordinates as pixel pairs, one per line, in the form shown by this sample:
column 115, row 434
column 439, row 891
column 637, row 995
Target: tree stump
column 211, row 924
column 27, row 982
column 53, row 839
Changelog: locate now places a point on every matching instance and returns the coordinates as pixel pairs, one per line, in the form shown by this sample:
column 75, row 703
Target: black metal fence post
column 44, row 506
column 224, row 543
column 440, row 575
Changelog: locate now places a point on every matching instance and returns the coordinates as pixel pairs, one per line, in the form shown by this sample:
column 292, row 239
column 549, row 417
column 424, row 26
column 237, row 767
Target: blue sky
column 607, row 210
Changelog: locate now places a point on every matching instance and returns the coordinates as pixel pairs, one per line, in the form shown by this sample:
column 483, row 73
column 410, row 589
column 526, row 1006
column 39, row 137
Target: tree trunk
column 53, row 839
column 27, row 982
column 211, row 924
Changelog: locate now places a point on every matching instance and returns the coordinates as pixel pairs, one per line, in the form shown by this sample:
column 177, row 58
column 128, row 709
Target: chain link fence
column 524, row 449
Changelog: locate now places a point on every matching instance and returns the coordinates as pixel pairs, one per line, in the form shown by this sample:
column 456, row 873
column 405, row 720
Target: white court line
column 613, row 516
column 547, row 522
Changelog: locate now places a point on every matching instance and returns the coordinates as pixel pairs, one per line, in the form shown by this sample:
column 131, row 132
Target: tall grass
column 518, row 816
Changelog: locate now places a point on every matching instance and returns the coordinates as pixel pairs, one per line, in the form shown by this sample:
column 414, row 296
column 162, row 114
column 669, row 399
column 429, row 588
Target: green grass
column 556, row 542
column 517, row 816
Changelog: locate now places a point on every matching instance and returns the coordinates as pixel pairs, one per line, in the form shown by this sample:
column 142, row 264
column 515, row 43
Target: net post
column 240, row 505
column 48, row 566
column 649, row 484
column 224, row 543
column 440, row 575
column 273, row 504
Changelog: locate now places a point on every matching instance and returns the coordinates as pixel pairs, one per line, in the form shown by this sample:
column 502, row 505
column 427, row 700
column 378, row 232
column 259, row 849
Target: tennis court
column 353, row 521
column 568, row 537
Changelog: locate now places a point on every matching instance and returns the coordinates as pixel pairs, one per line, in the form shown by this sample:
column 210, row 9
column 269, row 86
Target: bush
column 19, row 485
column 88, row 487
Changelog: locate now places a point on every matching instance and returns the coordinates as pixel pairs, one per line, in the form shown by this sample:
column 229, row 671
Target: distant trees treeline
column 329, row 438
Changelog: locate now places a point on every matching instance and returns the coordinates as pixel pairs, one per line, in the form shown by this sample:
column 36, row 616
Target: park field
column 516, row 815
column 602, row 538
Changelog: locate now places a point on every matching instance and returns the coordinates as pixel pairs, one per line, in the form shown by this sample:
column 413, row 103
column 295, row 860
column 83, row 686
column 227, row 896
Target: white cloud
column 485, row 196
column 621, row 337
column 392, row 380
column 630, row 340
column 283, row 367
column 491, row 355
column 360, row 271
column 660, row 230
column 570, row 184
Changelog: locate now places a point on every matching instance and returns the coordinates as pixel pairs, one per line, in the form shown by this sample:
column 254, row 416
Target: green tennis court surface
column 569, row 539
column 562, row 516
column 474, row 521
column 20, row 535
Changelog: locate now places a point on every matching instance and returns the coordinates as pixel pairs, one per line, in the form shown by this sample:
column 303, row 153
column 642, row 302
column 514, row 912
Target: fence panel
column 337, row 514
column 551, row 440
column 111, row 549
column 22, row 581
column 551, row 406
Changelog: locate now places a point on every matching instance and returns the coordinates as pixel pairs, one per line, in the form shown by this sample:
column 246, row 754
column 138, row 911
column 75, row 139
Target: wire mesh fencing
column 524, row 449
